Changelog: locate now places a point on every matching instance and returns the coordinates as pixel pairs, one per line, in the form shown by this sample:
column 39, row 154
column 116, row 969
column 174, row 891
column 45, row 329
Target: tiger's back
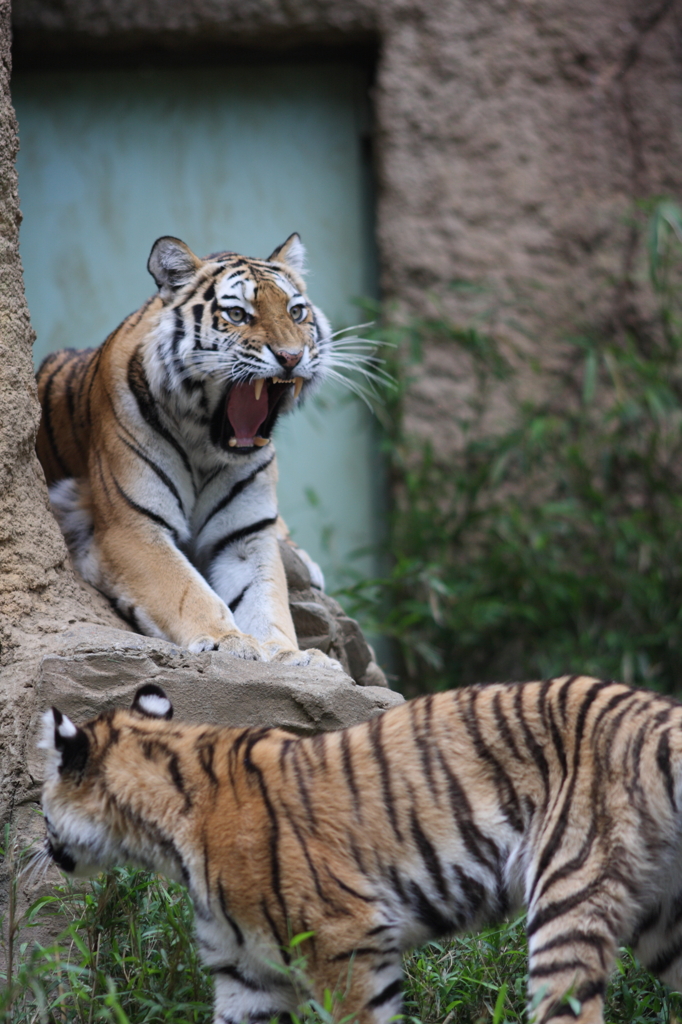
column 438, row 816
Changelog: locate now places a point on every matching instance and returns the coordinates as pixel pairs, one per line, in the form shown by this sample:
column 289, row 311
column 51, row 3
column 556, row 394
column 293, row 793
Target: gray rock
column 96, row 668
column 311, row 618
column 321, row 622
column 295, row 569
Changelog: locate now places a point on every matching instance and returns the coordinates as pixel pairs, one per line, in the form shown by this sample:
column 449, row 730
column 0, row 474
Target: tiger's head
column 238, row 341
column 95, row 774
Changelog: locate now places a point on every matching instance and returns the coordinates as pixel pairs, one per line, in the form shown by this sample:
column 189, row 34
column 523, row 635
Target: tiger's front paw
column 312, row 657
column 239, row 645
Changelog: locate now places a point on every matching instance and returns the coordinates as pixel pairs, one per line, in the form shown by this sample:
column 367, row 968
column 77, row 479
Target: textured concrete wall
column 513, row 138
column 38, row 592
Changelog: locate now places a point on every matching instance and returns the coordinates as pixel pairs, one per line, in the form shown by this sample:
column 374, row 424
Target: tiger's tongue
column 245, row 413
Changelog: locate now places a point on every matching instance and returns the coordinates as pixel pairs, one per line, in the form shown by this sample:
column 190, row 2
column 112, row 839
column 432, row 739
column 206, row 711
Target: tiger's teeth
column 278, row 380
column 298, row 385
column 258, row 388
column 232, row 442
column 260, row 441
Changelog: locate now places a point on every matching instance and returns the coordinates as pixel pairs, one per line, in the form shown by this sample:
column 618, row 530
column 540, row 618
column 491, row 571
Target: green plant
column 549, row 538
column 122, row 950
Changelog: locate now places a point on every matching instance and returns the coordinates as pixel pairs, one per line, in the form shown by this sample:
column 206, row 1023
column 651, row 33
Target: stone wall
column 512, row 140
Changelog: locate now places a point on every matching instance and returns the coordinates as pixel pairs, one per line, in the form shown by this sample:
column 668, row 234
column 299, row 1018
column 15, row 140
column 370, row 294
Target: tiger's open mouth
column 247, row 414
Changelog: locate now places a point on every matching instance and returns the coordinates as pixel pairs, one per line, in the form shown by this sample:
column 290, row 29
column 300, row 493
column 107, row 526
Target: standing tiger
column 440, row 815
column 157, row 448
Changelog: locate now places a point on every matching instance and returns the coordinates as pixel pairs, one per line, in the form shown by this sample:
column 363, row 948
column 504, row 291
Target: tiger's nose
column 285, row 357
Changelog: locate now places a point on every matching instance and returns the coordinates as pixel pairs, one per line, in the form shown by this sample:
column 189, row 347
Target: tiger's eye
column 236, row 314
column 298, row 313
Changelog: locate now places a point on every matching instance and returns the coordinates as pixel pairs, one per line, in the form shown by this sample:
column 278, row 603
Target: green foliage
column 123, row 950
column 482, row 978
column 550, row 541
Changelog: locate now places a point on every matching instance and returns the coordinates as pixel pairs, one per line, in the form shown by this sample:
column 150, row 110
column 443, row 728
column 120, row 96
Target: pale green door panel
column 233, row 158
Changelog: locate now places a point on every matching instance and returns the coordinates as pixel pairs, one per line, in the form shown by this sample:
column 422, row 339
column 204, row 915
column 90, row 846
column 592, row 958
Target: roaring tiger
column 442, row 814
column 157, row 448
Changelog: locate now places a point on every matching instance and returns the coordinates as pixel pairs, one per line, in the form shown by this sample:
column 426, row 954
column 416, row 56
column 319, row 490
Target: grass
column 124, row 952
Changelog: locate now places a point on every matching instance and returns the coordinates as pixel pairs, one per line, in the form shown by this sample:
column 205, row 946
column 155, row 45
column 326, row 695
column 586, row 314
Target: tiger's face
column 87, row 826
column 238, row 339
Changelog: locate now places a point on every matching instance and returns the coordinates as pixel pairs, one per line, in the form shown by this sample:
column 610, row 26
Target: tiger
column 157, row 449
column 442, row 814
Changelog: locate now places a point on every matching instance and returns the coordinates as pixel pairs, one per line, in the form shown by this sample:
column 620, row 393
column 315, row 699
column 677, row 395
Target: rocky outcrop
column 321, row 622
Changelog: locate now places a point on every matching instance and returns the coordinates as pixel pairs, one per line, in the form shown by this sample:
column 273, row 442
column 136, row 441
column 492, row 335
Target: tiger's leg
column 237, row 550
column 152, row 583
column 239, row 999
column 572, row 950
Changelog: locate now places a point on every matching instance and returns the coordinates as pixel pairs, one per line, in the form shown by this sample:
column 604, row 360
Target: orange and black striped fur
column 157, row 448
column 440, row 815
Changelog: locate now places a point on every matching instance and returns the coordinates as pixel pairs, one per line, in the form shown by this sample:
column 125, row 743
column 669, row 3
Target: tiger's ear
column 292, row 252
column 60, row 735
column 152, row 702
column 172, row 264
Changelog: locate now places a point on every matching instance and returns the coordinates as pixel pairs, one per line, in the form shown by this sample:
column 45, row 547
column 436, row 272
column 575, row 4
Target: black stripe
column 503, row 727
column 155, row 518
column 375, row 729
column 179, row 331
column 509, row 803
column 197, row 313
column 252, row 737
column 550, row 911
column 349, row 889
column 139, row 386
column 387, row 993
column 211, row 476
column 100, row 470
column 584, row 994
column 311, row 866
column 47, row 420
column 302, row 788
column 546, row 970
column 479, row 845
column 534, row 747
column 575, row 863
column 238, row 934
column 153, row 746
column 663, row 761
column 236, row 535
column 554, row 841
column 233, row 492
column 70, row 396
column 234, row 604
column 423, row 746
column 163, row 476
column 275, row 931
column 206, row 757
column 361, row 951
column 230, row 971
column 577, row 937
column 349, row 775
column 429, row 856
column 558, row 742
column 428, row 913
